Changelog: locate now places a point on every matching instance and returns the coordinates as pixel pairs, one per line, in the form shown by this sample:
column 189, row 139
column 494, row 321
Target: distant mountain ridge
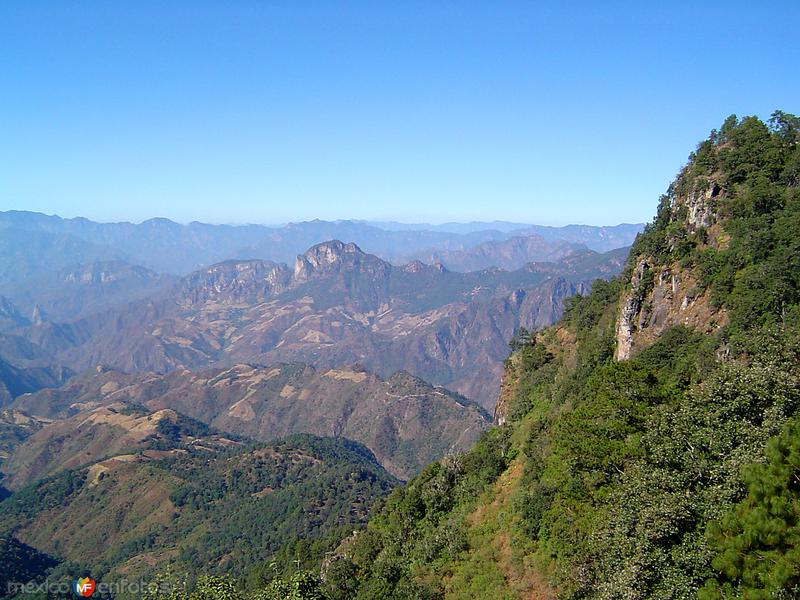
column 510, row 254
column 34, row 243
column 338, row 305
column 73, row 293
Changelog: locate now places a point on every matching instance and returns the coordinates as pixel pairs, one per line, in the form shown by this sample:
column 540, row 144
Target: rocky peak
column 236, row 281
column 334, row 257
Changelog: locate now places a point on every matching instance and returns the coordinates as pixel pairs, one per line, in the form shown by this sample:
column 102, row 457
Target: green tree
column 758, row 541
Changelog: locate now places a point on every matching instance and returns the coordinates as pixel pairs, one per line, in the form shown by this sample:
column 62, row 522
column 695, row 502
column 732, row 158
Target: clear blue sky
column 552, row 113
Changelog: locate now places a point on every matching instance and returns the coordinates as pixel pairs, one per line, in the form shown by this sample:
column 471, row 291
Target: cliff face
column 660, row 297
column 662, row 294
column 235, row 282
column 509, row 386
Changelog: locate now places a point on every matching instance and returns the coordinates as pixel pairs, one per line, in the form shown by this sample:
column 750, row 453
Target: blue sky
column 263, row 112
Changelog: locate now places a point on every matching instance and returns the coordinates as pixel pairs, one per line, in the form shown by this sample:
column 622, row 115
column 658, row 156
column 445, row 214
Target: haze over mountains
column 33, row 243
column 263, row 332
column 336, row 306
column 142, row 353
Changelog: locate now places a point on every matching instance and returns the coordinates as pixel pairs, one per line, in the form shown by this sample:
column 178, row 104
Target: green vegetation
column 260, row 510
column 757, row 542
column 674, row 474
column 21, row 563
column 649, row 478
column 300, row 586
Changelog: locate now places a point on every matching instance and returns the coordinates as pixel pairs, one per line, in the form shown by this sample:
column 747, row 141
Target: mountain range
column 32, row 243
column 161, row 385
column 404, row 421
column 336, row 306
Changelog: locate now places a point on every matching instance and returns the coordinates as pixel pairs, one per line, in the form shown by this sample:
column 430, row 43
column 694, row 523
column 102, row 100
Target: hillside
column 649, row 445
column 404, row 421
column 337, row 305
column 116, row 429
column 196, row 505
column 15, row 428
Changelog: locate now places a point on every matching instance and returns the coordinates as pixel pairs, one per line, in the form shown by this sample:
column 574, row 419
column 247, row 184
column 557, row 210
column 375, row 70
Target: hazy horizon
column 373, row 222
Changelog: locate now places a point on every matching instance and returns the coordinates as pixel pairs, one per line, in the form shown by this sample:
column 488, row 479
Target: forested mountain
column 189, row 498
column 648, row 439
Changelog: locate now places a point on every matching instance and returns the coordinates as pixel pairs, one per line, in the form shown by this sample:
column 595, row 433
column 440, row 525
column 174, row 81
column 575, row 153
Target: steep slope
column 338, row 305
column 635, row 426
column 405, row 422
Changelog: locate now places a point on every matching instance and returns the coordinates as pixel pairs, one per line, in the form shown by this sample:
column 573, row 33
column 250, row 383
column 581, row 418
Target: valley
column 399, row 300
column 122, row 387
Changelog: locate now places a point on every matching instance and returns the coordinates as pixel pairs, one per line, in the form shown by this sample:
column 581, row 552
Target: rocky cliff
column 664, row 293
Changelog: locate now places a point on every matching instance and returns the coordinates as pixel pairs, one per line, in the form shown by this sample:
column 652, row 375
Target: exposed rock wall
column 660, row 296
column 671, row 298
column 509, row 385
column 700, row 205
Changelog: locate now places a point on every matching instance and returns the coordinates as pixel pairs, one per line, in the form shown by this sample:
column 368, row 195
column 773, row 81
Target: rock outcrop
column 235, row 282
column 663, row 294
